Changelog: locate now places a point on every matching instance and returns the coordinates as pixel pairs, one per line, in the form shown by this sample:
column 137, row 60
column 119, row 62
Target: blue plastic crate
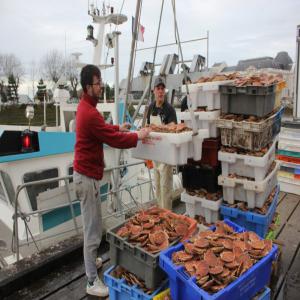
column 249, row 220
column 120, row 290
column 183, row 286
column 266, row 295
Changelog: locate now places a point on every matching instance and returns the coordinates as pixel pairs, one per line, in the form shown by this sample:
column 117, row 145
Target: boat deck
column 68, row 281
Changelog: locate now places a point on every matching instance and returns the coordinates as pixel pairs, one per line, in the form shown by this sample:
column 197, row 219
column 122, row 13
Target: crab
column 202, row 268
column 227, row 256
column 181, row 256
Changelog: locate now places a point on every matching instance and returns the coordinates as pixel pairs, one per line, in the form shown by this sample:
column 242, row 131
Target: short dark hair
column 187, row 79
column 87, row 74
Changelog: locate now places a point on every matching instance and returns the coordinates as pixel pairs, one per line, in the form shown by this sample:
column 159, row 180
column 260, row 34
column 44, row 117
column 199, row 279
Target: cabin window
column 34, row 190
column 9, row 186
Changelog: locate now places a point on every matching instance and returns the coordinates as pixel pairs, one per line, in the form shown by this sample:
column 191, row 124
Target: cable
column 153, row 61
column 194, row 126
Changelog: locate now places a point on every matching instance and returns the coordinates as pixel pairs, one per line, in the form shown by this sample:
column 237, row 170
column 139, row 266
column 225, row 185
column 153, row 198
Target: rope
column 153, row 61
column 194, row 126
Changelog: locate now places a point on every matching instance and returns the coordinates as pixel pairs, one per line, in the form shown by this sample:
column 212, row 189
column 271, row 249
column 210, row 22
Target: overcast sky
column 238, row 29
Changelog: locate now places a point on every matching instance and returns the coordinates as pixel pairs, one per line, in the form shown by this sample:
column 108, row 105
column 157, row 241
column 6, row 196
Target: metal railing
column 24, row 216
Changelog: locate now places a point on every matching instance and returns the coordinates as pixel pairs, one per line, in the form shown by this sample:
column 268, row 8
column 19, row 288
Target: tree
column 72, row 75
column 52, row 65
column 41, row 90
column 12, row 91
column 11, row 68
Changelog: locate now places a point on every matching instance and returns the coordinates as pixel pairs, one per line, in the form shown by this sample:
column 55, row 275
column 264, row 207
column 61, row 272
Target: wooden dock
column 68, row 281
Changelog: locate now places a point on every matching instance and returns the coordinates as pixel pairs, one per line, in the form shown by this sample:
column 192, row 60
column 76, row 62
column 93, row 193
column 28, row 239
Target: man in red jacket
column 91, row 133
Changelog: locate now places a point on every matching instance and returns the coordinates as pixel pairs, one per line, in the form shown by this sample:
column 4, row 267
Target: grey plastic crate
column 135, row 259
column 249, row 100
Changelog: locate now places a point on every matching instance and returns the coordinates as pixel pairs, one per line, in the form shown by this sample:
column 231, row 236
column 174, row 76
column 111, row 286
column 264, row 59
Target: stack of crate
column 202, row 194
column 249, row 127
column 288, row 154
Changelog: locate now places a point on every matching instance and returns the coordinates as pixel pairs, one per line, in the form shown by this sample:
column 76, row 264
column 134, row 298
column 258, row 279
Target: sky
column 238, row 29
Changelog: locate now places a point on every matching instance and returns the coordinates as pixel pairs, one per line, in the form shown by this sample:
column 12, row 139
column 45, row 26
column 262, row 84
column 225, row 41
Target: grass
column 15, row 115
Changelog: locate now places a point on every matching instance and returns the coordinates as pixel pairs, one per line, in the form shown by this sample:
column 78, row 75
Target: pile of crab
column 262, row 210
column 203, row 193
column 169, row 128
column 260, row 153
column 216, row 258
column 154, row 229
column 131, row 279
column 246, row 118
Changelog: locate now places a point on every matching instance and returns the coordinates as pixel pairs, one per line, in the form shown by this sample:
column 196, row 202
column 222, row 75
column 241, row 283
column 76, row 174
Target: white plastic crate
column 255, row 193
column 247, row 165
column 205, row 94
column 289, row 140
column 289, row 185
column 204, row 120
column 171, row 148
column 195, row 205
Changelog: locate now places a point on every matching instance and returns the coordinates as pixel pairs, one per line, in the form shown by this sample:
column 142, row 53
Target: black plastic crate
column 195, row 177
column 247, row 100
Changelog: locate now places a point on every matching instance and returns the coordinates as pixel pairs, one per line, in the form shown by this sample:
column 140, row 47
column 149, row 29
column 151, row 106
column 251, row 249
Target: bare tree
column 52, row 65
column 72, row 75
column 12, row 70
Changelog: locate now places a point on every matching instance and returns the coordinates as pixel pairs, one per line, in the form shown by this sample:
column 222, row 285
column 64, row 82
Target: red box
column 210, row 149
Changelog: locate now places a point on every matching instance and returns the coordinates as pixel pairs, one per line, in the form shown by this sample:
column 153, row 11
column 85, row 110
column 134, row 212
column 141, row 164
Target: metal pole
column 297, row 78
column 71, row 205
column 45, row 109
column 16, row 237
column 134, row 37
column 207, row 49
column 56, row 114
column 116, row 53
column 116, row 176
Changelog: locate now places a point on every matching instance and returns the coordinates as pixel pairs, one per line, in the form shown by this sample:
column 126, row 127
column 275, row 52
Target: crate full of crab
column 201, row 203
column 172, row 144
column 205, row 91
column 225, row 262
column 252, row 164
column 249, row 133
column 136, row 243
column 250, row 95
column 257, row 219
column 254, row 192
column 124, row 285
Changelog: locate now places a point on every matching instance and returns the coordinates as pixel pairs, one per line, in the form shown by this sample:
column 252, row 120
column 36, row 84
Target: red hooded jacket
column 91, row 133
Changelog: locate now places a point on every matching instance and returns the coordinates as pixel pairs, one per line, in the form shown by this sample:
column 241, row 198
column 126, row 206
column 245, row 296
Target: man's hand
column 143, row 133
column 125, row 127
